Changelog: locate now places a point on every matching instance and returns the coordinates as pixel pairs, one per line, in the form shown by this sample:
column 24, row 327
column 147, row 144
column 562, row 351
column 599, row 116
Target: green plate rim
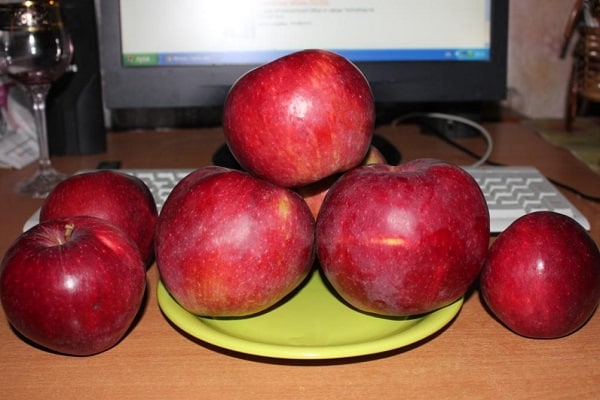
column 197, row 327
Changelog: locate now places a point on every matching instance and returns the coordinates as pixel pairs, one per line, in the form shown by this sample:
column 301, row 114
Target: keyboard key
column 160, row 182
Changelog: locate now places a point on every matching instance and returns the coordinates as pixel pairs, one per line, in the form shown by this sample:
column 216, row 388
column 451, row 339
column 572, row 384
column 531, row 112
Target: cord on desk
column 455, row 118
column 485, row 158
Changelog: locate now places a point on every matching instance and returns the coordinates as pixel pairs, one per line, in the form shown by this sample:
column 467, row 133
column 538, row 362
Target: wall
column 537, row 76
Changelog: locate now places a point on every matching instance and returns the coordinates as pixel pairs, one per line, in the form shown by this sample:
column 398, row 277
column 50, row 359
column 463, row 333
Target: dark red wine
column 35, row 57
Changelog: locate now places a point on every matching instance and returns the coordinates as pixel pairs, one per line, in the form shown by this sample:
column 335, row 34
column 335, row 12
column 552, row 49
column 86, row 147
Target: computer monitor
column 159, row 54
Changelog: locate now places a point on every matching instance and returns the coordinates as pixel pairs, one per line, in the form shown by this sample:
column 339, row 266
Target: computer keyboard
column 510, row 192
column 160, row 181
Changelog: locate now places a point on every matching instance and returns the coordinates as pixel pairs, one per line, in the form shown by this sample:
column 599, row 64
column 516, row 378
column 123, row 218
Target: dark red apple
column 230, row 244
column 403, row 240
column 315, row 192
column 542, row 276
column 119, row 198
column 300, row 118
column 73, row 285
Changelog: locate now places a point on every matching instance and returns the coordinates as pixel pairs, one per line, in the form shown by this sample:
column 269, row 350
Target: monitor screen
column 188, row 53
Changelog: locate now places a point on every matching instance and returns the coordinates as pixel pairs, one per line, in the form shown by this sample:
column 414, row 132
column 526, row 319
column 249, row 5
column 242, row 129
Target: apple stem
column 68, row 231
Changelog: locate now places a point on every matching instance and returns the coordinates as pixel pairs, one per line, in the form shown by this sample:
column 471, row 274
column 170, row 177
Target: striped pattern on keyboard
column 512, row 192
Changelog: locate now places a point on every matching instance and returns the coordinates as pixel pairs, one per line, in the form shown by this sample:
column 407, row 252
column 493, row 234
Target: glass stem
column 38, row 95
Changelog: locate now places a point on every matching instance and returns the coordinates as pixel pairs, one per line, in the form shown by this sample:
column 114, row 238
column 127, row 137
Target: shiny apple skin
column 119, row 198
column 403, row 240
column 300, row 118
column 229, row 244
column 77, row 296
column 541, row 278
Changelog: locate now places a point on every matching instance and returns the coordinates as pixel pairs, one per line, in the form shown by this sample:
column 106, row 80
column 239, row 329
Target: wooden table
column 473, row 357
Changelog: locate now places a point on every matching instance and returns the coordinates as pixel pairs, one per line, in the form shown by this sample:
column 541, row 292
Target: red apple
column 315, row 192
column 300, row 118
column 542, row 276
column 73, row 285
column 230, row 244
column 119, row 198
column 403, row 240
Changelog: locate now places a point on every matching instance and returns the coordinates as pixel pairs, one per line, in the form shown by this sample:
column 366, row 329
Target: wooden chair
column 584, row 80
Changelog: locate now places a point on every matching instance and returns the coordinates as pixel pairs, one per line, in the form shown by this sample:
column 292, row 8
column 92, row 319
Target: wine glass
column 35, row 50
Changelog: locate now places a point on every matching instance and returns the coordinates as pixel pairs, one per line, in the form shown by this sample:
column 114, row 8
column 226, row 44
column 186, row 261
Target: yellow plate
column 313, row 324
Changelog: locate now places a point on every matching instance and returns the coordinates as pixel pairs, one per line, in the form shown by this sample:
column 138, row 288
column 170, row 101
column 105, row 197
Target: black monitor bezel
column 400, row 82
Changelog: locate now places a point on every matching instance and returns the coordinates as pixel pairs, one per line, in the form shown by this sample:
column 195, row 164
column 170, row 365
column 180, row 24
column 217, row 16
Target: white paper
column 18, row 138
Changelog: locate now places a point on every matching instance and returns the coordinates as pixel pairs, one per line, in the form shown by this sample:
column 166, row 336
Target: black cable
column 471, row 153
